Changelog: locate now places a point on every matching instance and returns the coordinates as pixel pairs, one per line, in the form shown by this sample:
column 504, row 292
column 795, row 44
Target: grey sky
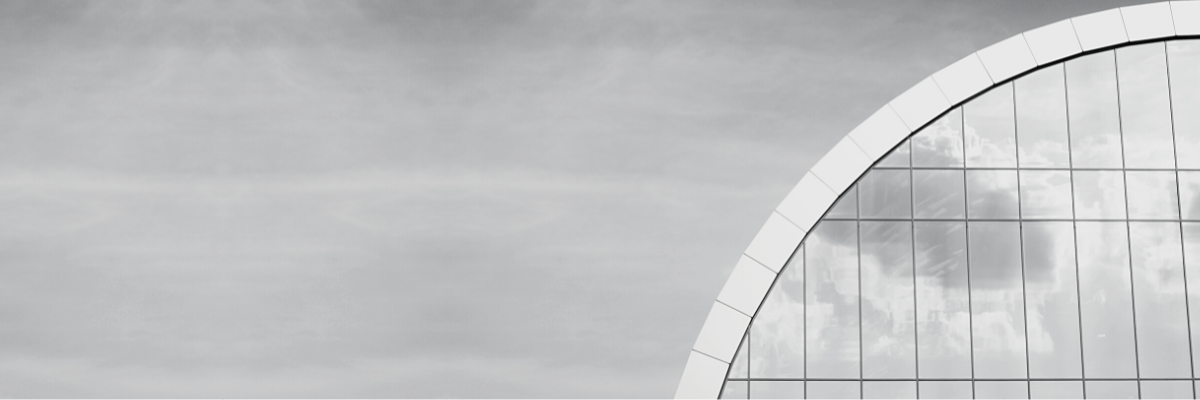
column 414, row 199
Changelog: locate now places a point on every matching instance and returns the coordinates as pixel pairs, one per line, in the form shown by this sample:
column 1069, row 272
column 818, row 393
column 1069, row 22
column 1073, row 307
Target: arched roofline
column 756, row 270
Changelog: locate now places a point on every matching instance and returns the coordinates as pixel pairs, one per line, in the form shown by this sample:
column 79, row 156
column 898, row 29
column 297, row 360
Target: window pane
column 1189, row 187
column 1191, row 257
column 1046, row 194
column 939, row 193
column 992, row 194
column 997, row 308
column 833, row 390
column 1112, row 389
column 940, row 143
column 897, row 158
column 1092, row 106
column 1052, row 305
column 890, row 390
column 884, row 193
column 740, row 368
column 944, row 390
column 831, row 261
column 735, row 390
column 1105, row 300
column 777, row 332
column 1056, row 390
column 1161, row 313
column 1001, row 390
column 1145, row 106
column 943, row 315
column 889, row 345
column 1041, row 99
column 1184, row 59
column 989, row 128
column 777, row 389
column 1152, row 195
column 1099, row 194
column 1167, row 389
column 846, row 206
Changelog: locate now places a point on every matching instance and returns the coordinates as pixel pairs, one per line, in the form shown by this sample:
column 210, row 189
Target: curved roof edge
column 755, row 272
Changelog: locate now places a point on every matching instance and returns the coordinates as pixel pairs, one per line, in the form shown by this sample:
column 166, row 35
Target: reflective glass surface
column 1183, row 62
column 1111, row 389
column 941, row 143
column 831, row 300
column 1051, row 300
column 939, row 194
column 735, row 390
column 945, row 390
column 1056, row 390
column 1042, row 119
column 997, row 306
column 1105, row 294
column 885, row 193
column 943, row 309
column 1094, row 122
column 890, row 390
column 1002, row 390
column 833, row 390
column 1167, row 389
column 1046, row 194
column 888, row 331
column 777, row 389
column 992, row 194
column 1041, row 239
column 989, row 129
column 1145, row 106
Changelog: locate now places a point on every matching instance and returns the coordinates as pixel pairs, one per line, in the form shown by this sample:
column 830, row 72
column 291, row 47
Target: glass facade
column 1040, row 240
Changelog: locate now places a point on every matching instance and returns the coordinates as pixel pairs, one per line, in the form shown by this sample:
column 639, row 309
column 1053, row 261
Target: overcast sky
column 415, row 199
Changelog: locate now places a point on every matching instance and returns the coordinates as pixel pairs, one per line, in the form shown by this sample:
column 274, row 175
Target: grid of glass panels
column 1041, row 240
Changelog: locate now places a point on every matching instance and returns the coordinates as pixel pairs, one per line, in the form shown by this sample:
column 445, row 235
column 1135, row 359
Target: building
column 1024, row 222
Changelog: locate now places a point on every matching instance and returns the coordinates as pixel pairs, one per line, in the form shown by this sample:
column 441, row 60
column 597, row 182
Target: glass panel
column 831, row 260
column 1145, row 106
column 992, row 194
column 1112, row 389
column 833, row 390
column 1092, row 107
column 940, row 143
column 1046, row 194
column 1152, row 195
column 1167, row 389
column 989, row 129
column 777, row 389
column 846, row 206
column 739, row 368
column 884, row 193
column 943, row 313
column 1056, row 390
column 1161, row 305
column 1184, row 64
column 939, row 193
column 1052, row 305
column 1099, row 194
column 897, row 158
column 1041, row 99
column 777, row 332
column 997, row 308
column 889, row 345
column 944, row 390
column 890, row 390
column 1189, row 194
column 1001, row 390
column 735, row 390
column 1191, row 257
column 1104, row 287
